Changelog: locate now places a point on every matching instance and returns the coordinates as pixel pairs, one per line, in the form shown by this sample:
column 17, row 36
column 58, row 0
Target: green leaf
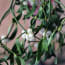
column 19, row 60
column 18, row 46
column 58, row 1
column 3, row 60
column 50, row 52
column 40, row 13
column 60, row 10
column 30, row 13
column 22, row 61
column 40, row 50
column 54, row 19
column 38, row 28
column 5, row 14
column 15, row 20
column 10, row 29
column 56, row 61
column 30, row 48
column 29, row 52
column 61, row 39
column 45, row 44
column 18, row 18
column 36, row 62
column 49, row 8
column 51, row 38
column 33, row 22
column 13, row 34
column 19, row 50
column 19, row 10
column 11, row 59
column 17, row 2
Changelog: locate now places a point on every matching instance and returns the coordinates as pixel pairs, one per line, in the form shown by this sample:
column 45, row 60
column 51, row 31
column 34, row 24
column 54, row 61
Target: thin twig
column 37, row 37
column 33, row 41
column 12, row 11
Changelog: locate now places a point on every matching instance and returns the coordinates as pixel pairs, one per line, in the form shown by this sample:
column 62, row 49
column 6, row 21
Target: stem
column 60, row 3
column 12, row 25
column 60, row 27
column 49, row 8
column 20, row 35
column 7, row 12
column 12, row 11
column 44, row 14
column 33, row 41
column 37, row 37
column 6, row 48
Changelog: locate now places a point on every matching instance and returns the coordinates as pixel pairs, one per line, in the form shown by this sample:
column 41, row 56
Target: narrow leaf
column 13, row 34
column 5, row 14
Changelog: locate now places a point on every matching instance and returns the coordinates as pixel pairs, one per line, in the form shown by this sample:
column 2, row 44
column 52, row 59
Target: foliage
column 48, row 14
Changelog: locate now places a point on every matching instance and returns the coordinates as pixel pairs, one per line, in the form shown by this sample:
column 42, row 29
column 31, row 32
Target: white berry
column 25, row 3
column 29, row 30
column 23, row 31
column 43, row 34
column 24, row 36
column 4, row 40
